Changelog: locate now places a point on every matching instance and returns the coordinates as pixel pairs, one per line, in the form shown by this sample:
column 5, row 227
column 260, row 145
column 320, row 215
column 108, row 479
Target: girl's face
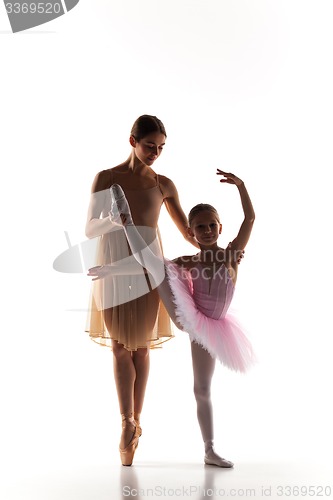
column 206, row 228
column 149, row 148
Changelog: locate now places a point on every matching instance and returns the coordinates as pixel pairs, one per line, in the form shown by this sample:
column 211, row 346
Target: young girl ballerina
column 197, row 291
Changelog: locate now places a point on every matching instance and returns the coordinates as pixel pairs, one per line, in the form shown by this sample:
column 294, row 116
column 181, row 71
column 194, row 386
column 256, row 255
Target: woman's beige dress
column 127, row 308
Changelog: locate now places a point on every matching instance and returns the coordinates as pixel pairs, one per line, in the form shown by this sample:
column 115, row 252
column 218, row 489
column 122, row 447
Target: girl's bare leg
column 143, row 253
column 203, row 369
column 154, row 264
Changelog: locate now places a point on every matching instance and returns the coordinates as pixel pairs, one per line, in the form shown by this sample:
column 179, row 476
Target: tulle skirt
column 126, row 308
column 223, row 338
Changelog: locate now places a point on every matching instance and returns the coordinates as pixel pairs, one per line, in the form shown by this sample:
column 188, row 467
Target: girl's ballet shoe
column 218, row 462
column 120, row 212
column 127, row 453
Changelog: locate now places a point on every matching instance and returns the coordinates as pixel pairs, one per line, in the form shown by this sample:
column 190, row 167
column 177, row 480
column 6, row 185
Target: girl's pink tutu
column 222, row 337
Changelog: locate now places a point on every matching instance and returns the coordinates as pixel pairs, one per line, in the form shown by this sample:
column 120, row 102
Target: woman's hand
column 99, row 271
column 230, row 178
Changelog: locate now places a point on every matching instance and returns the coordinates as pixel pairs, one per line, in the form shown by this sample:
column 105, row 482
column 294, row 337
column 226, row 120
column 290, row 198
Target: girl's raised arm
column 244, row 233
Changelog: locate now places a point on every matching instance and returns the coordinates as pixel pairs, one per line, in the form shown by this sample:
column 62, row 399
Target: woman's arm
column 96, row 226
column 172, row 204
column 244, row 233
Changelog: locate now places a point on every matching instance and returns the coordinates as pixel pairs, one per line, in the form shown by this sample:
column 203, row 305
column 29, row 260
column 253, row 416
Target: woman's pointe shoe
column 127, row 453
column 120, row 212
column 137, row 423
column 138, row 426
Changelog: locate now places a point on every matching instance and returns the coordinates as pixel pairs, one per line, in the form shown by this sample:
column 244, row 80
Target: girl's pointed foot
column 212, row 458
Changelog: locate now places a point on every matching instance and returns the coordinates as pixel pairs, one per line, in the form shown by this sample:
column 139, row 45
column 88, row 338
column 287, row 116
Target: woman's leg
column 131, row 371
column 141, row 361
column 125, row 375
column 203, row 369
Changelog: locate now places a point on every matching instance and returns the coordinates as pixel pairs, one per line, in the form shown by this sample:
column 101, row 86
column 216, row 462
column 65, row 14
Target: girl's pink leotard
column 202, row 308
column 212, row 296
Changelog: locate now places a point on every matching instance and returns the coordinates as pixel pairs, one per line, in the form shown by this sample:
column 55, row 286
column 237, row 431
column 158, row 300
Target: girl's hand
column 230, row 178
column 99, row 271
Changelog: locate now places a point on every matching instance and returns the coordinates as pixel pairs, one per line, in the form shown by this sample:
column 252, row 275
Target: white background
column 245, row 86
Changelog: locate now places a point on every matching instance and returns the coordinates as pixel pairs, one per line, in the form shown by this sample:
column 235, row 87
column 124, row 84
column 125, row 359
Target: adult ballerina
column 125, row 311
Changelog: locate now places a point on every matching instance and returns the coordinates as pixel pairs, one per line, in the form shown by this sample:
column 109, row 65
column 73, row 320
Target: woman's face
column 206, row 228
column 149, row 148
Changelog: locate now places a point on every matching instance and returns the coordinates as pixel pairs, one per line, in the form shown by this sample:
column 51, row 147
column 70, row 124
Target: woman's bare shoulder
column 121, row 168
column 164, row 179
column 101, row 181
column 166, row 183
column 104, row 178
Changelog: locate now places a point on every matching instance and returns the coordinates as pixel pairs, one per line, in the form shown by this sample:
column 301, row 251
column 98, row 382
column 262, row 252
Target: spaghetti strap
column 158, row 185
